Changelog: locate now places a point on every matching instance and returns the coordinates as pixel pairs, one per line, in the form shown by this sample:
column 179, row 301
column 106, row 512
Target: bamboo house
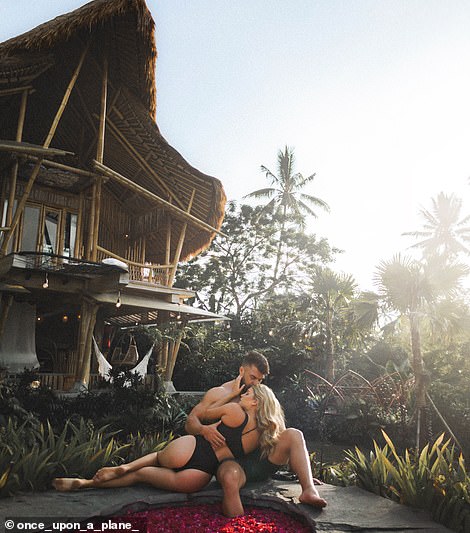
column 97, row 209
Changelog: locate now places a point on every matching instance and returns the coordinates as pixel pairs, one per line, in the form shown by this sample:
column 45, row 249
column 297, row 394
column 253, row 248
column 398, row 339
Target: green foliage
column 126, row 406
column 238, row 271
column 32, row 455
column 435, row 479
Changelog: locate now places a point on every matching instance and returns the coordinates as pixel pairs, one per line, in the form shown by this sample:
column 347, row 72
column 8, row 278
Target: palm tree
column 444, row 232
column 415, row 291
column 285, row 196
column 332, row 294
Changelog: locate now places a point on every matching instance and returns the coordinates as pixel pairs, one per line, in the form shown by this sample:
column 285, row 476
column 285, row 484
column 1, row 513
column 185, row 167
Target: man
column 232, row 474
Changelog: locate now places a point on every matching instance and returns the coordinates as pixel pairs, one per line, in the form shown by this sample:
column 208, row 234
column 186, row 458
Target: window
column 70, row 234
column 29, row 236
column 48, row 230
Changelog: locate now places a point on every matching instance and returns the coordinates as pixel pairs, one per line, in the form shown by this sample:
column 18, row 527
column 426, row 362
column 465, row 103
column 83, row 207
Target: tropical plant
column 434, row 478
column 285, row 196
column 31, row 456
column 413, row 291
column 444, row 232
column 331, row 296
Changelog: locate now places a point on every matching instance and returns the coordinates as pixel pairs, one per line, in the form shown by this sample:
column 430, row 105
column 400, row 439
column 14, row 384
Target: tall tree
column 237, row 271
column 331, row 296
column 415, row 291
column 444, row 231
column 286, row 197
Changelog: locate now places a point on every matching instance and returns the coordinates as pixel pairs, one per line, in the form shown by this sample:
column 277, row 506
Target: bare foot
column 109, row 472
column 317, row 481
column 311, row 497
column 66, row 484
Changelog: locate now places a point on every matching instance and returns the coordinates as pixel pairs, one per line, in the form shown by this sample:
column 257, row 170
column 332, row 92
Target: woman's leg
column 112, row 472
column 159, row 477
column 175, row 455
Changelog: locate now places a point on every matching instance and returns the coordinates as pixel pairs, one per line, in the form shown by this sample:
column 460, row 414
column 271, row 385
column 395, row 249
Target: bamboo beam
column 16, row 90
column 68, row 168
column 141, row 161
column 30, row 149
column 179, row 246
column 46, row 144
column 176, row 211
column 14, row 170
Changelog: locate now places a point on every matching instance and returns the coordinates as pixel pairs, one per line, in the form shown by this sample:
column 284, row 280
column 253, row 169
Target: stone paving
column 349, row 508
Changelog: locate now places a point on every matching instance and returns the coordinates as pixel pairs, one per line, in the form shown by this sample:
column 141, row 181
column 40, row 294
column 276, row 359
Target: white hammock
column 104, row 367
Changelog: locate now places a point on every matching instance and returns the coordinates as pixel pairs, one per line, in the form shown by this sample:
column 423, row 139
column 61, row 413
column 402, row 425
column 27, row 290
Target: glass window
column 70, row 234
column 51, row 226
column 29, row 238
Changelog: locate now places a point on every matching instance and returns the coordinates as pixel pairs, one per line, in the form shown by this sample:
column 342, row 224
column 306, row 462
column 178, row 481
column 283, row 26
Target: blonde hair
column 270, row 418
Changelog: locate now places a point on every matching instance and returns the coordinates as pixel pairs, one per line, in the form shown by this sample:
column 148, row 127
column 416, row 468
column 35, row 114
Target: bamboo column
column 174, row 354
column 14, row 170
column 46, row 144
column 88, row 313
column 99, row 158
column 168, row 248
column 179, row 246
column 7, row 302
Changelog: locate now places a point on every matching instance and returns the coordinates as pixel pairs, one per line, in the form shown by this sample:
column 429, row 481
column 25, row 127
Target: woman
column 188, row 463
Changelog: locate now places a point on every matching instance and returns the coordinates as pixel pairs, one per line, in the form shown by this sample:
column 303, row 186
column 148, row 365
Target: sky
column 372, row 95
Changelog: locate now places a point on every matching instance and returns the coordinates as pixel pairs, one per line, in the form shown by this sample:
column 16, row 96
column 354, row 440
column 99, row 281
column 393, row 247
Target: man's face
column 251, row 375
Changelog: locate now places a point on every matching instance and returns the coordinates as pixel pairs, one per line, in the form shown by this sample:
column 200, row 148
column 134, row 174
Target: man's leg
column 232, row 478
column 291, row 449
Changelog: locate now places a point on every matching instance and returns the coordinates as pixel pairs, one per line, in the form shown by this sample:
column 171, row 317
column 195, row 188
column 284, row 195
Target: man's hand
column 212, row 435
column 237, row 388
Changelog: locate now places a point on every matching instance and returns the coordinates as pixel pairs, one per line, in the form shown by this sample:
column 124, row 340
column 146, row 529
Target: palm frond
column 261, row 193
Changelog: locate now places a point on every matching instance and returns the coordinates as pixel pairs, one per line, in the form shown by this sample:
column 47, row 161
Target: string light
column 46, row 281
column 118, row 301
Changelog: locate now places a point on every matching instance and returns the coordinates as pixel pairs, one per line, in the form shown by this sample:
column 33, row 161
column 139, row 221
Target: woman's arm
column 231, row 414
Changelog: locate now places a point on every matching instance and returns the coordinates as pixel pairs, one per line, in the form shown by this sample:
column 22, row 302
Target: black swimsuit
column 204, row 457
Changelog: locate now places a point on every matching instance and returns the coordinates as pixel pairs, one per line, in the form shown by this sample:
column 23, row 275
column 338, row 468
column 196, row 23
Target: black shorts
column 203, row 458
column 257, row 468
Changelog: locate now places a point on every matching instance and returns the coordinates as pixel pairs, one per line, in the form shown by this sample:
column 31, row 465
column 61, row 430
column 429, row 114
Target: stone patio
column 349, row 508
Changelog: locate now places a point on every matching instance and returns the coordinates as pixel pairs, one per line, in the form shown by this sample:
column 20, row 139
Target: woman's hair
column 270, row 418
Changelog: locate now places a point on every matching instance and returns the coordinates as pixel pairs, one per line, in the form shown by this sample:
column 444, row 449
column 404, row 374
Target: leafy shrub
column 434, row 479
column 125, row 406
column 32, row 455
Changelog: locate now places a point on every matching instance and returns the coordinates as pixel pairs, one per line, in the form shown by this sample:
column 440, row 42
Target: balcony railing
column 65, row 382
column 148, row 272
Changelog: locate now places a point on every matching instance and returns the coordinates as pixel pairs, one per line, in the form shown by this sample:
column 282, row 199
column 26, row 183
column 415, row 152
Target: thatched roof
column 133, row 38
column 125, row 29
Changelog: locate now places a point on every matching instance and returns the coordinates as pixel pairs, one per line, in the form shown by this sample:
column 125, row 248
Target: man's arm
column 194, row 425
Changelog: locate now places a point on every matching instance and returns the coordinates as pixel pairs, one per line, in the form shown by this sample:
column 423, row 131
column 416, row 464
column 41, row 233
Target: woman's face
column 248, row 397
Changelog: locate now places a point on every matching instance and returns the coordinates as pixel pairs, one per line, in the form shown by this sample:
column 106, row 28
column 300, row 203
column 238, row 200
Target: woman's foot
column 311, row 497
column 67, row 484
column 109, row 472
